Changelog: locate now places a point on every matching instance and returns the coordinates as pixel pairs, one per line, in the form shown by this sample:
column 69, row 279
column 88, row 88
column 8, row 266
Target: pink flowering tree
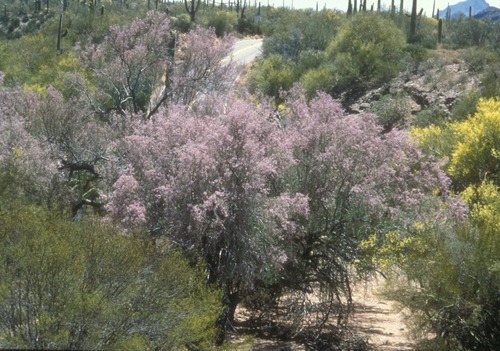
column 79, row 143
column 128, row 66
column 209, row 178
column 358, row 181
column 272, row 202
column 204, row 67
column 26, row 168
column 59, row 142
column 142, row 66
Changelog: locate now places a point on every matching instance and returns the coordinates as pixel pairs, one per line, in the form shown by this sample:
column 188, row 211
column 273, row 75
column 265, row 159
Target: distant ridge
column 462, row 8
column 489, row 14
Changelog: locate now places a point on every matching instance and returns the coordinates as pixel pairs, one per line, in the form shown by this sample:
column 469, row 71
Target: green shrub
column 486, row 62
column 273, row 74
column 183, row 23
column 465, row 106
column 458, row 298
column 32, row 26
column 490, row 80
column 4, row 19
column 247, row 26
column 300, row 38
column 416, row 55
column 319, row 79
column 285, row 43
column 222, row 21
column 392, row 110
column 310, row 59
column 428, row 116
column 464, row 32
column 321, row 28
column 66, row 285
column 426, row 32
column 366, row 52
column 15, row 22
column 478, row 59
column 301, row 31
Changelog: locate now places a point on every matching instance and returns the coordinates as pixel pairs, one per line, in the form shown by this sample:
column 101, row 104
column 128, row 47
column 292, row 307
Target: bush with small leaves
column 67, row 285
column 430, row 115
column 300, row 31
column 318, row 79
column 222, row 21
column 465, row 105
column 273, row 75
column 392, row 110
column 466, row 32
column 182, row 23
column 367, row 51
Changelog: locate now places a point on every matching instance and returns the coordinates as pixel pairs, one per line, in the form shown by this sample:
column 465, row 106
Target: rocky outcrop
column 438, row 86
column 491, row 14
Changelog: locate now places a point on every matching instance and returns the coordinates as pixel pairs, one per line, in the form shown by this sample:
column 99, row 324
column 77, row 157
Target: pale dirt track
column 376, row 320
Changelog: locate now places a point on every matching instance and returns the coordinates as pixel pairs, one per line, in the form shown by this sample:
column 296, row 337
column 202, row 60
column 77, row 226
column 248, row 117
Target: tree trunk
column 226, row 320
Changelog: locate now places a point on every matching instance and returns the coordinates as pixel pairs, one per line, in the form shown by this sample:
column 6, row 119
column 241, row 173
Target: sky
column 342, row 4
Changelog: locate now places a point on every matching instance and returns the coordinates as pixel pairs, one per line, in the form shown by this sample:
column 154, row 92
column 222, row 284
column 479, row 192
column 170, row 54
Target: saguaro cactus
column 243, row 8
column 440, row 30
column 413, row 22
column 192, row 8
column 59, row 34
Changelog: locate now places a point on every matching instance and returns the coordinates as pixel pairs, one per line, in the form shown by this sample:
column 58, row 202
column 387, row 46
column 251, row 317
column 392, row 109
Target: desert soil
column 376, row 320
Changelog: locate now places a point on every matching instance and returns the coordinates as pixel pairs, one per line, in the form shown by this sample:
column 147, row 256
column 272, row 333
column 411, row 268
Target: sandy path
column 377, row 320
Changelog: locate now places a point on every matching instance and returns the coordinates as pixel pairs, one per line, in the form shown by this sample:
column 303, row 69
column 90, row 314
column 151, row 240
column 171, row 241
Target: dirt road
column 377, row 320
